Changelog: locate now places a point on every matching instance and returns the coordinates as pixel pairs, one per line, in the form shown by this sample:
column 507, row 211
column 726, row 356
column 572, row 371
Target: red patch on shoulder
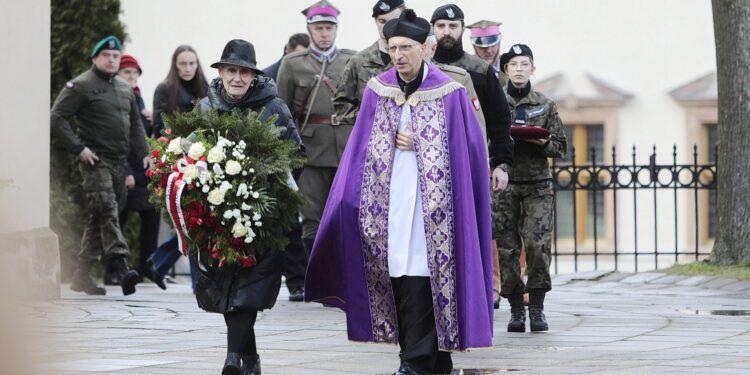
column 70, row 84
column 475, row 103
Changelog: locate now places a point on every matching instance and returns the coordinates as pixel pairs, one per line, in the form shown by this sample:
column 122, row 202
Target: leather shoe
column 297, row 295
column 408, row 369
column 251, row 365
column 232, row 365
column 152, row 275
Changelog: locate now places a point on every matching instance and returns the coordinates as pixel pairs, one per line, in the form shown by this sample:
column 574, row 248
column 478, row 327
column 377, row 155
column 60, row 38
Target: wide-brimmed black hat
column 238, row 52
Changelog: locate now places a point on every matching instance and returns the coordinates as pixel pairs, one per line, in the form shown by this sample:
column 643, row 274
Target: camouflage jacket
column 107, row 114
column 531, row 162
column 361, row 67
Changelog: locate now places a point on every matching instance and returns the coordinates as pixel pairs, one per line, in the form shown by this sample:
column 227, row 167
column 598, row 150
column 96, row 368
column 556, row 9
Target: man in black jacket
column 448, row 26
column 297, row 42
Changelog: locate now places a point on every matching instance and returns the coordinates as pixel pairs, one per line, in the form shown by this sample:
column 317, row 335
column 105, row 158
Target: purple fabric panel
column 473, row 224
column 335, row 272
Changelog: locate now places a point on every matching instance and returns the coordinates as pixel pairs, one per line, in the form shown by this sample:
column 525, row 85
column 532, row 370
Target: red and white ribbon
column 175, row 186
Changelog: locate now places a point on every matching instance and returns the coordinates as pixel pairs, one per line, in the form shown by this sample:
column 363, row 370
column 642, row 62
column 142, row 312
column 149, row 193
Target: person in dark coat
column 297, row 42
column 137, row 182
column 180, row 92
column 241, row 85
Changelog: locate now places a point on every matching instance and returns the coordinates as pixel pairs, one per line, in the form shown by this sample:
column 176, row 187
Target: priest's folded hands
column 404, row 141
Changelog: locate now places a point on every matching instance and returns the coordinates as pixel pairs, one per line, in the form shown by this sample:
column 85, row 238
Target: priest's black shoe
column 250, row 365
column 517, row 314
column 408, row 368
column 232, row 365
column 297, row 295
column 83, row 282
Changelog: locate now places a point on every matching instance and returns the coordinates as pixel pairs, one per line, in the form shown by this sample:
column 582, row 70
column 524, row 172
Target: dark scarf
column 231, row 100
column 385, row 56
column 410, row 87
column 449, row 55
column 519, row 93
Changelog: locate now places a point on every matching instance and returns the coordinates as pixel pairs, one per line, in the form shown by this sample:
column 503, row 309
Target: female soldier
column 522, row 214
column 241, row 85
column 184, row 86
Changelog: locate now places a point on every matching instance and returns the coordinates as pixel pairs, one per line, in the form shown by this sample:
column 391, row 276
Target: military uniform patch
column 450, row 13
column 384, row 7
column 70, row 84
column 475, row 103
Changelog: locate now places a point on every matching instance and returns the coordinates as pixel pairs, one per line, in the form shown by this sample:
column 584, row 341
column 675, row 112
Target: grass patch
column 739, row 272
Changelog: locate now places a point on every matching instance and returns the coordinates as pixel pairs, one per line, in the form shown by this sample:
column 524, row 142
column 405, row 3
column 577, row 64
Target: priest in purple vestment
column 404, row 242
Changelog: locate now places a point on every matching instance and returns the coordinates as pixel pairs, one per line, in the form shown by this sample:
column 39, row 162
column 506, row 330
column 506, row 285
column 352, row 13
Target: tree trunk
column 732, row 36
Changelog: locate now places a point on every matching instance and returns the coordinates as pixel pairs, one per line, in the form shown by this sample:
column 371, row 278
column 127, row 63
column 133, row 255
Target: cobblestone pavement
column 647, row 323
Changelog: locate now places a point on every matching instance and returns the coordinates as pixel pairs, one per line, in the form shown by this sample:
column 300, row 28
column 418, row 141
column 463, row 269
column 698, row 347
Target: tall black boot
column 232, row 365
column 517, row 313
column 128, row 278
column 536, row 311
column 83, row 282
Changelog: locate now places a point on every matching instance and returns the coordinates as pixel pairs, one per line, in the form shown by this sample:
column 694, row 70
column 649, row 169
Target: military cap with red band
column 322, row 11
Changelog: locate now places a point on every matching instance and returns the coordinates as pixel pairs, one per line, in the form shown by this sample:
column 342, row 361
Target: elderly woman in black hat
column 241, row 85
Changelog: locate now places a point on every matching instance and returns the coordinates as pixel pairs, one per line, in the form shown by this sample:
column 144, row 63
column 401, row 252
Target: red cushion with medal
column 528, row 132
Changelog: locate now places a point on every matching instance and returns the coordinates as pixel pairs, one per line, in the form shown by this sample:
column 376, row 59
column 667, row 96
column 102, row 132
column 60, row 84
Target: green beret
column 110, row 42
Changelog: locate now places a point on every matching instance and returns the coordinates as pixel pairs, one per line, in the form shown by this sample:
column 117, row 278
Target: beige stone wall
column 28, row 247
column 24, row 121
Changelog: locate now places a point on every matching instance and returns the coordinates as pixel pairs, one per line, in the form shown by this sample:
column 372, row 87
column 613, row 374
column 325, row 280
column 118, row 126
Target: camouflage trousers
column 104, row 185
column 314, row 184
column 522, row 217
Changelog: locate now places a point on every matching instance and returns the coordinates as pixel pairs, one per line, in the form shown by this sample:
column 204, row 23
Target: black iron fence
column 618, row 200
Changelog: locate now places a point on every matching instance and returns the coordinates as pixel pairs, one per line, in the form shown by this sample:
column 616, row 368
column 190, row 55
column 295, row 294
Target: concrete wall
column 27, row 246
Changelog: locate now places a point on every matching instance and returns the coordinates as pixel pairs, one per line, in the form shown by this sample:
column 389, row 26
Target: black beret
column 407, row 25
column 515, row 50
column 450, row 12
column 386, row 6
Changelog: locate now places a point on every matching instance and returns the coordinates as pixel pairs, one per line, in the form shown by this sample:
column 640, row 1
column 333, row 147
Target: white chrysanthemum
column 217, row 170
column 246, row 207
column 256, row 194
column 205, row 189
column 256, row 217
column 228, row 214
column 225, row 186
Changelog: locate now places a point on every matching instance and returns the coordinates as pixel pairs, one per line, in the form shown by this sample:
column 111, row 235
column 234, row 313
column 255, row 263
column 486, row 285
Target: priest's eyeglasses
column 404, row 48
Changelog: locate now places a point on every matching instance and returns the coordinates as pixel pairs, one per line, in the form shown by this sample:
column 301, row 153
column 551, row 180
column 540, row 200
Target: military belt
column 327, row 120
column 529, row 182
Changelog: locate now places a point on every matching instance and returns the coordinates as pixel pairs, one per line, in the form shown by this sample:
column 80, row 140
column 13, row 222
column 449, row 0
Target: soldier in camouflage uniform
column 365, row 64
column 109, row 124
column 306, row 82
column 522, row 214
column 486, row 37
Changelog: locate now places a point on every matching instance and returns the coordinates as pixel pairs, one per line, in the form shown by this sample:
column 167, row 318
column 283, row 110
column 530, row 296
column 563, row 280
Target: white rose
column 196, row 150
column 233, row 167
column 191, row 171
column 216, row 197
column 174, row 146
column 239, row 230
column 216, row 155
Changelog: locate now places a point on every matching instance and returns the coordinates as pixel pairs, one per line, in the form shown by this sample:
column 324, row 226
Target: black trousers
column 241, row 332
column 149, row 234
column 295, row 259
column 417, row 335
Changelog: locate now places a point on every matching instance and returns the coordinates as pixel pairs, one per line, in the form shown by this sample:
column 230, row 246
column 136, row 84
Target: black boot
column 151, row 273
column 83, row 282
column 517, row 314
column 128, row 278
column 232, row 365
column 251, row 365
column 110, row 277
column 536, row 312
